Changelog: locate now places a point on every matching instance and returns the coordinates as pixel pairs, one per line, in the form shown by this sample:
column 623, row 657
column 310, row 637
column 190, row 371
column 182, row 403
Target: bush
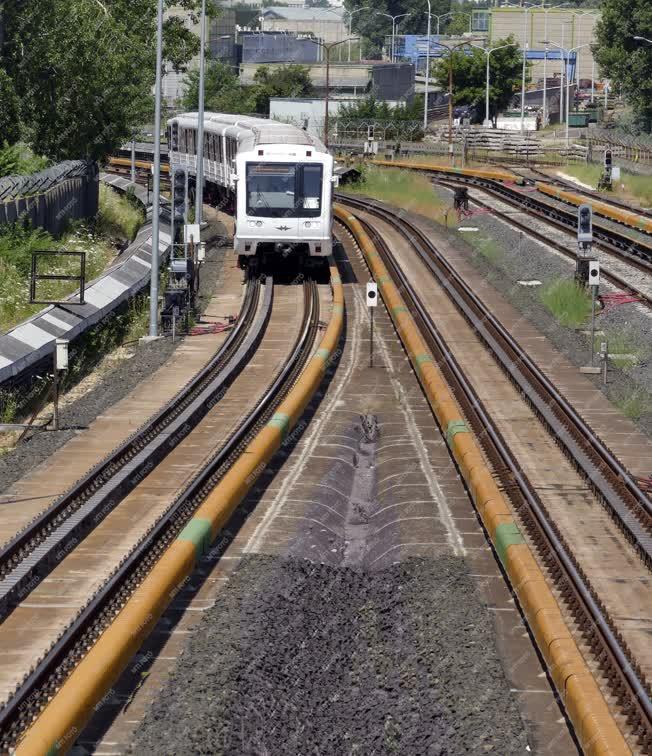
column 569, row 303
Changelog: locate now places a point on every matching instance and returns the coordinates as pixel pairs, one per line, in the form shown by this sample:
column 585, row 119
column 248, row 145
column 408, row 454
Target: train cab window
column 271, row 189
column 311, row 190
column 284, row 189
column 182, row 141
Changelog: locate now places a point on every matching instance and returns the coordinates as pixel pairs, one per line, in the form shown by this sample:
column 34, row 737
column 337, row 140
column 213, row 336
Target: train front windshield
column 287, row 190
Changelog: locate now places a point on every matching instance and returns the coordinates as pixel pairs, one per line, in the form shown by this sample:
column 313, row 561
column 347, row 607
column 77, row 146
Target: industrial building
column 531, row 26
column 393, row 82
column 220, row 42
column 326, row 24
column 277, row 47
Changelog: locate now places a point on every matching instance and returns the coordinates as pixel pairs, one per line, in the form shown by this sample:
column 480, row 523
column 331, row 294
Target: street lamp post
column 452, row 13
column 487, row 52
column 199, row 189
column 577, row 59
column 525, row 7
column 451, row 49
column 350, row 39
column 545, row 60
column 568, row 82
column 153, row 284
column 425, row 101
column 328, row 46
column 387, row 15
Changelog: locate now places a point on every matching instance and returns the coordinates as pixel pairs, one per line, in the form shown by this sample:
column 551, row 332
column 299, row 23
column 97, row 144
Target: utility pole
column 153, row 284
column 199, row 189
column 425, row 101
column 328, row 46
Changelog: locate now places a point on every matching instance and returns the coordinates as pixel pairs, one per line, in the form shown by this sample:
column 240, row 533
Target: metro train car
column 277, row 178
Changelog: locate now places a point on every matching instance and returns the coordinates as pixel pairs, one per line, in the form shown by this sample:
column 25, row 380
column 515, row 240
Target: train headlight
column 307, row 224
column 259, row 223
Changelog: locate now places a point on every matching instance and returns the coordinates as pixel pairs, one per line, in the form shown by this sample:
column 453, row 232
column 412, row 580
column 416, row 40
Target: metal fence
column 50, row 198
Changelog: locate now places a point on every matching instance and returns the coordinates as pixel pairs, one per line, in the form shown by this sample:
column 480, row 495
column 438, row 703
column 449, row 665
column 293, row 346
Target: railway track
column 34, row 552
column 618, row 491
column 51, row 671
column 617, row 280
column 635, row 251
column 533, row 174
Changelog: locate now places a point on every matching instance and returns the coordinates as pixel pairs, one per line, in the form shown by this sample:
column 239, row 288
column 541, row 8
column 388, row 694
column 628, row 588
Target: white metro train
column 277, row 178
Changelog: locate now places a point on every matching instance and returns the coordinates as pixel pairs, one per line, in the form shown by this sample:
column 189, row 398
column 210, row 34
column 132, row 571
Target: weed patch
column 633, row 404
column 623, row 343
column 630, row 185
column 119, row 216
column 569, row 303
column 406, row 189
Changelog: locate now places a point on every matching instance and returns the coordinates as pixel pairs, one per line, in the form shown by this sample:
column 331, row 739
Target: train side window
column 182, row 140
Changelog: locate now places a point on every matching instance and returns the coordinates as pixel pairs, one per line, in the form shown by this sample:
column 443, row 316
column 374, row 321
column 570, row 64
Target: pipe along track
column 68, row 686
column 34, row 552
column 613, row 278
column 592, row 194
column 625, row 679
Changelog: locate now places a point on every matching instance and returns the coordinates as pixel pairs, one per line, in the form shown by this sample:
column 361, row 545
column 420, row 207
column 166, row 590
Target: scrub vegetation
column 569, row 303
column 119, row 216
column 634, row 403
column 402, row 188
column 622, row 342
column 117, row 219
column 630, row 186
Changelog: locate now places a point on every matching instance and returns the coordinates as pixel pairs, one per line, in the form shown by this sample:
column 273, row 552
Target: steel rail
column 613, row 278
column 628, row 504
column 622, row 670
column 630, row 250
column 591, row 193
column 50, row 672
column 36, row 550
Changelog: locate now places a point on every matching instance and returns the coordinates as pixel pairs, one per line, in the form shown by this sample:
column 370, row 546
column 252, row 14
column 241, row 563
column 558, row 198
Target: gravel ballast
column 297, row 657
column 113, row 385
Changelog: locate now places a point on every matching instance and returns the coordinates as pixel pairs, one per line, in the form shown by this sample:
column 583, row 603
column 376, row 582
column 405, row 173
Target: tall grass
column 569, row 303
column 634, row 404
column 117, row 216
column 402, row 188
column 630, row 185
column 624, row 343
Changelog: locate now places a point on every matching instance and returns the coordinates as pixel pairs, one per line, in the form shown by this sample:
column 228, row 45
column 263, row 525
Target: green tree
column 9, row 111
column 285, row 81
column 470, row 76
column 83, row 70
column 622, row 59
column 374, row 28
column 222, row 91
column 399, row 121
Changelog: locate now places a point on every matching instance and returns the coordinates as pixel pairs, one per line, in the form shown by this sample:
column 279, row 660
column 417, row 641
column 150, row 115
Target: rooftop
column 335, row 15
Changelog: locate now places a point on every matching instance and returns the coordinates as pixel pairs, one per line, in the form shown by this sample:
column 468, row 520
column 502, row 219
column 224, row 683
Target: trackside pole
column 371, row 340
column 372, row 303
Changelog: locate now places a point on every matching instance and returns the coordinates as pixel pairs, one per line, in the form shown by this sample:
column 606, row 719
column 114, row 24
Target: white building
column 326, row 24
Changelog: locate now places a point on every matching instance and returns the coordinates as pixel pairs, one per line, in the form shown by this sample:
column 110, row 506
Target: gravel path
column 112, row 386
column 304, row 658
column 516, row 257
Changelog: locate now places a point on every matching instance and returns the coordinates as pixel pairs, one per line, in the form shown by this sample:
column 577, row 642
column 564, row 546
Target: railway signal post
column 372, row 303
column 594, row 282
